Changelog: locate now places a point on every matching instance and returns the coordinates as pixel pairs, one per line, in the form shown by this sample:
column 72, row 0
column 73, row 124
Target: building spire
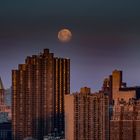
column 1, row 84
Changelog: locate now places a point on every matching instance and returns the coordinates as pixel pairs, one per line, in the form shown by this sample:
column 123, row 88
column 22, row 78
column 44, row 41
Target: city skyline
column 49, row 50
column 105, row 37
column 44, row 77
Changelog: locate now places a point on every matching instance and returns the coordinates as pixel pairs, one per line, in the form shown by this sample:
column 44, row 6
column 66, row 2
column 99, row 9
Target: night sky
column 106, row 36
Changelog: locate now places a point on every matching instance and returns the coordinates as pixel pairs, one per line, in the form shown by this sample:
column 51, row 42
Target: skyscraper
column 38, row 88
column 87, row 116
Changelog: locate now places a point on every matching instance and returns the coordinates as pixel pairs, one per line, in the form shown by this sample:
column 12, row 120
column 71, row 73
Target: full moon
column 64, row 35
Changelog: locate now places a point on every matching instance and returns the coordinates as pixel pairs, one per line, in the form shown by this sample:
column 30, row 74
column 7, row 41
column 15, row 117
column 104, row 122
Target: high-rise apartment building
column 86, row 116
column 38, row 88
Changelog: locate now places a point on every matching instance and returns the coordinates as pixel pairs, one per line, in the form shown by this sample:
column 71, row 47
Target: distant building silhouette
column 38, row 89
column 86, row 116
column 5, row 110
column 1, row 93
column 5, row 116
column 5, row 131
column 8, row 96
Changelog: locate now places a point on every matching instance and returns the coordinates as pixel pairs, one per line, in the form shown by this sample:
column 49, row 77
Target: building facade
column 38, row 88
column 124, row 108
column 125, row 122
column 86, row 116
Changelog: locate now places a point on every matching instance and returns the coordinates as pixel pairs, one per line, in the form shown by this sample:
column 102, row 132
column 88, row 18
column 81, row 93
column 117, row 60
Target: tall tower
column 1, row 93
column 116, row 81
column 38, row 88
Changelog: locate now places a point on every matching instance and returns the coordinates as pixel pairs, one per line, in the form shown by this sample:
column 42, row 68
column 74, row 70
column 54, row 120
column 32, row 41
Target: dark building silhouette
column 5, row 131
column 1, row 93
column 5, row 110
column 38, row 89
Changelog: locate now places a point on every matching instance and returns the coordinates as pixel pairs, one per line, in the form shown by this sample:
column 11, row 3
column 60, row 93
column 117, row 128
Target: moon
column 64, row 35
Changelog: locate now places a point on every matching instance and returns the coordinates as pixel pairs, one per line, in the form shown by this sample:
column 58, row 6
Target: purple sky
column 106, row 36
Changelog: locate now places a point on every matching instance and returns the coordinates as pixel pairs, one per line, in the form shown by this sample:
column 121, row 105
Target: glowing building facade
column 38, row 88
